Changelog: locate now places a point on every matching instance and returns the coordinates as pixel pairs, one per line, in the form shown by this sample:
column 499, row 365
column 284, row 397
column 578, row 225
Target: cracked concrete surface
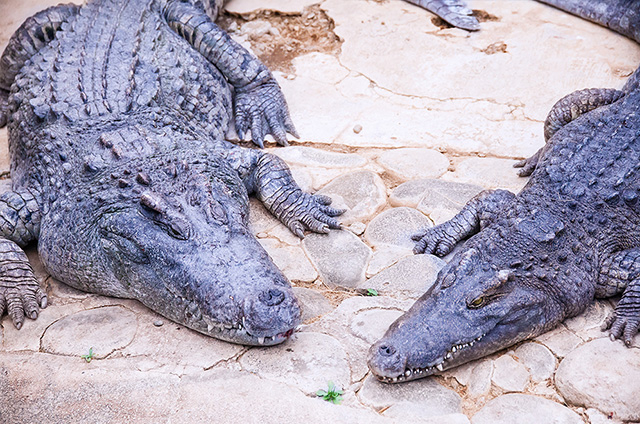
column 401, row 119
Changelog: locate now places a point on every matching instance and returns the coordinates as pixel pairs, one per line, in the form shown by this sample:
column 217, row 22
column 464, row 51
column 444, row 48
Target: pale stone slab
column 411, row 276
column 340, row 257
column 412, row 163
column 174, row 348
column 538, row 359
column 307, row 361
column 490, row 173
column 560, row 341
column 362, row 192
column 385, row 256
column 395, row 227
column 427, row 394
column 105, row 329
column 370, row 325
column 312, row 303
column 587, row 325
column 38, row 387
column 433, row 194
column 602, row 374
column 524, row 409
column 509, row 374
column 475, row 375
column 312, row 157
column 291, row 260
column 244, row 7
column 407, row 412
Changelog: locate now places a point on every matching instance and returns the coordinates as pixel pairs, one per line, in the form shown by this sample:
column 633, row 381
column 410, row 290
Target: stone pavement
column 401, row 121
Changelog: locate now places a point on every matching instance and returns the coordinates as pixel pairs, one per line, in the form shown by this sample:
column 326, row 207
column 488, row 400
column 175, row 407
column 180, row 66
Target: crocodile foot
column 438, row 240
column 622, row 324
column 262, row 109
column 528, row 165
column 308, row 211
column 20, row 293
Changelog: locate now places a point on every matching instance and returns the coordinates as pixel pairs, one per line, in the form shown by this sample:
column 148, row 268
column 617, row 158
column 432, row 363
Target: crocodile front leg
column 269, row 178
column 441, row 239
column 259, row 103
column 33, row 34
column 620, row 273
column 20, row 293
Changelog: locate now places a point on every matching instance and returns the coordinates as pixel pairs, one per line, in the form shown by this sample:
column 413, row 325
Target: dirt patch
column 497, row 47
column 480, row 15
column 277, row 39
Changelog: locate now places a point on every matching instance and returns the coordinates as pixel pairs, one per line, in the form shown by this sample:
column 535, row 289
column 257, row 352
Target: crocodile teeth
column 439, row 367
column 261, row 340
column 407, row 373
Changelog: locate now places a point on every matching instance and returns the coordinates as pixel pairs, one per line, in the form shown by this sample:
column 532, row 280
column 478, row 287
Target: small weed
column 89, row 356
column 372, row 292
column 333, row 394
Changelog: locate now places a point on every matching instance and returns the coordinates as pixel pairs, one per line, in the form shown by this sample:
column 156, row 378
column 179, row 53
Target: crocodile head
column 181, row 247
column 475, row 308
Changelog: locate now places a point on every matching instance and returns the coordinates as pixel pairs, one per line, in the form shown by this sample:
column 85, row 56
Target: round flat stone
column 560, row 341
column 604, row 375
column 370, row 325
column 411, row 276
column 509, row 374
column 307, row 361
column 524, row 409
column 433, row 194
column 395, row 227
column 538, row 359
column 429, row 396
column 104, row 329
column 312, row 303
column 412, row 163
column 291, row 260
column 340, row 257
column 362, row 193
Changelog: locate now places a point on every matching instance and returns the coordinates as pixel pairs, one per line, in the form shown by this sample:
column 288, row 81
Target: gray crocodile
column 117, row 112
column 457, row 14
column 539, row 257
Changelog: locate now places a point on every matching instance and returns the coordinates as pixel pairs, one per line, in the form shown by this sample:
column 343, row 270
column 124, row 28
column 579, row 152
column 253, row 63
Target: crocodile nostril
column 271, row 297
column 386, row 350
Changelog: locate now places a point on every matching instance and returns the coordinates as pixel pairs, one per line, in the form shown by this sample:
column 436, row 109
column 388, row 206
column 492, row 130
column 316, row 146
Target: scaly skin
column 539, row 257
column 619, row 15
column 121, row 174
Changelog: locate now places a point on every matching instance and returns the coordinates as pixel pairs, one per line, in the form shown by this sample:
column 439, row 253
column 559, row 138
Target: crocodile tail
column 622, row 16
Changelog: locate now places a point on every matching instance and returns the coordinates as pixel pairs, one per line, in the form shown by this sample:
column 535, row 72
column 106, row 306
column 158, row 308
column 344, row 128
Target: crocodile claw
column 434, row 240
column 309, row 211
column 21, row 299
column 263, row 110
column 622, row 326
column 528, row 165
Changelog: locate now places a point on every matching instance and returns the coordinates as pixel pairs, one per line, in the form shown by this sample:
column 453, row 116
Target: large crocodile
column 457, row 14
column 117, row 111
column 541, row 256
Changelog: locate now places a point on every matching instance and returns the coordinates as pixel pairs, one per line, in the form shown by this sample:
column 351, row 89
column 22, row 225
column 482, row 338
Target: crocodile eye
column 477, row 302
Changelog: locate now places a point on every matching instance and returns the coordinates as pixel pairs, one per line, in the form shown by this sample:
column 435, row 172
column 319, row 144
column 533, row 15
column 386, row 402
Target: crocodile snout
column 271, row 297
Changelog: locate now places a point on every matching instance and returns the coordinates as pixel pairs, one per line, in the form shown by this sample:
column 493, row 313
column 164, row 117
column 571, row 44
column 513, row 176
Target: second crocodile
column 539, row 257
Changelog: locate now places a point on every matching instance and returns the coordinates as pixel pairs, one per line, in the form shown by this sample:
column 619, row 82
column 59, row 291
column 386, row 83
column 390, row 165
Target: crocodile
column 457, row 14
column 533, row 259
column 117, row 112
